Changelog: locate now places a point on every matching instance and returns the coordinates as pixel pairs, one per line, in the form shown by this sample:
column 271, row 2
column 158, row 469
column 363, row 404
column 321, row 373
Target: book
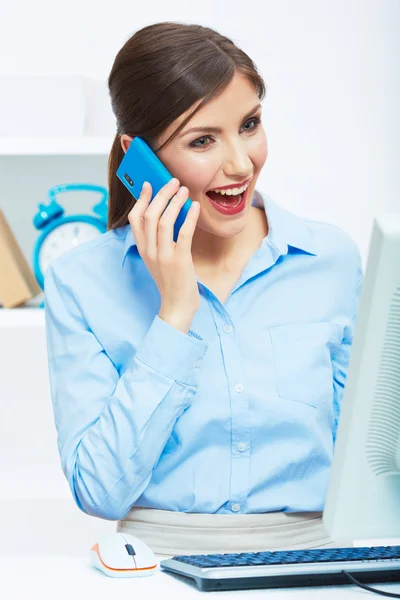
column 17, row 281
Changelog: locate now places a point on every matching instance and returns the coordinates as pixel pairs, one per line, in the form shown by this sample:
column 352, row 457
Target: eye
column 256, row 120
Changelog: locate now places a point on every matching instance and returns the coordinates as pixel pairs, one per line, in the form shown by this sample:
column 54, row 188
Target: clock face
column 63, row 238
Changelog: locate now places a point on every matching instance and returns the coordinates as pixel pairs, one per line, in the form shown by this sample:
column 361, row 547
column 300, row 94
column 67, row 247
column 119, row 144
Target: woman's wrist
column 180, row 321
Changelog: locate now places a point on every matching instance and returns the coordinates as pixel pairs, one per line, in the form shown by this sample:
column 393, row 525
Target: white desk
column 66, row 578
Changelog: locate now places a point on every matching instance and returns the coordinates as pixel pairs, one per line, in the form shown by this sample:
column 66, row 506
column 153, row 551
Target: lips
column 216, row 196
column 230, row 209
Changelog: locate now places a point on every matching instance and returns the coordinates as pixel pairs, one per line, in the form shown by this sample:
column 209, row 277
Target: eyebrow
column 217, row 129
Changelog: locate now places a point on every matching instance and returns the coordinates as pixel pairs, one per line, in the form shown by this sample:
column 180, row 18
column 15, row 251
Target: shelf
column 22, row 317
column 19, row 146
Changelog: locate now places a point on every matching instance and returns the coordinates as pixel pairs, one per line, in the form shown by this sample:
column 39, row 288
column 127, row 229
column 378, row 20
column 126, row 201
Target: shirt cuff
column 175, row 354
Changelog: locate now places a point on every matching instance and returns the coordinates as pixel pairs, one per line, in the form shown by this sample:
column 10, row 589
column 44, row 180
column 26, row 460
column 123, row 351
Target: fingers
column 153, row 213
column 185, row 236
column 135, row 216
column 153, row 222
column 166, row 242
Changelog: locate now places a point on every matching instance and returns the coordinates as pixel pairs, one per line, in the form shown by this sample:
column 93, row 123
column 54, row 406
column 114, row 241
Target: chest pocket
column 303, row 360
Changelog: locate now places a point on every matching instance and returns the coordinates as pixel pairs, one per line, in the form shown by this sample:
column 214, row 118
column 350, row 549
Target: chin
column 226, row 230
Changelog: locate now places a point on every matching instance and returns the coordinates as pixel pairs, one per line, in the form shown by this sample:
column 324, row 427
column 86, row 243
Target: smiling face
column 203, row 160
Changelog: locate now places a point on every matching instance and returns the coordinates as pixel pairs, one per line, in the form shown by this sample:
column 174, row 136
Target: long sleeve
column 112, row 428
column 341, row 357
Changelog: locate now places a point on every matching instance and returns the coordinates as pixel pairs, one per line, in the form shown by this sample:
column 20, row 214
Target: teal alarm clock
column 60, row 233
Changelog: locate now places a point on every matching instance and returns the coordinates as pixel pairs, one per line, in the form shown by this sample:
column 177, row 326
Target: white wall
column 333, row 87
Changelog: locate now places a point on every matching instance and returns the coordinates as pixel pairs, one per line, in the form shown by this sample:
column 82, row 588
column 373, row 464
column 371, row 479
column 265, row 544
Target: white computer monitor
column 363, row 499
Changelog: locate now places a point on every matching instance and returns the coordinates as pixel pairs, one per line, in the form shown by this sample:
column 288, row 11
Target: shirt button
column 235, row 507
column 227, row 328
column 242, row 446
column 197, row 364
column 239, row 387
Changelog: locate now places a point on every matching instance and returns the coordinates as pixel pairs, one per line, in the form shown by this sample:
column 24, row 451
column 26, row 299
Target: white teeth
column 232, row 192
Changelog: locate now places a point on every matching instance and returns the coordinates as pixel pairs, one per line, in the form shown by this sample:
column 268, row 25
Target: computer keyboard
column 291, row 568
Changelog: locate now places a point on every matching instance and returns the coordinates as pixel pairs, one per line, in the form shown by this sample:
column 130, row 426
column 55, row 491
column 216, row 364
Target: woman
column 197, row 386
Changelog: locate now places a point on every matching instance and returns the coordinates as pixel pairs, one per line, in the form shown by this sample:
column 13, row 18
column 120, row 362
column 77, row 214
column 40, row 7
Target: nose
column 237, row 163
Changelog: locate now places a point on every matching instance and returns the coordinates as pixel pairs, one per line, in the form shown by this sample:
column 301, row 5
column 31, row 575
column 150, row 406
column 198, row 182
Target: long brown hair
column 159, row 73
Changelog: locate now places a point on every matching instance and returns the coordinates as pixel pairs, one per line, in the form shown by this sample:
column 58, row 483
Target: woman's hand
column 170, row 263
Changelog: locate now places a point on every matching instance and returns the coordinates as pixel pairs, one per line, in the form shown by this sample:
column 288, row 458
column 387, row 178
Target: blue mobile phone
column 140, row 164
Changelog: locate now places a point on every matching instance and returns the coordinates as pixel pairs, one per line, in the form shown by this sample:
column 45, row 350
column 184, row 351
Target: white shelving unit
column 47, row 154
column 31, row 163
column 21, row 317
column 36, row 496
column 30, row 166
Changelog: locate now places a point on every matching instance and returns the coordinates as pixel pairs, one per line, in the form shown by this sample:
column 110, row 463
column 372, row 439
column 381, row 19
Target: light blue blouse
column 238, row 416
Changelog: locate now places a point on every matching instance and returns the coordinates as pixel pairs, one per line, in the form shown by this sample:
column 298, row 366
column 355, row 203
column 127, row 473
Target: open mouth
column 232, row 201
column 228, row 200
column 229, row 204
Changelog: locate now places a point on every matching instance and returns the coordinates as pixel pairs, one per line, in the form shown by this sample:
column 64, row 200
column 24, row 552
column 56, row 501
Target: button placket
column 240, row 413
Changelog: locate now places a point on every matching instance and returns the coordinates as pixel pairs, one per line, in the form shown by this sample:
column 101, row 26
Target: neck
column 227, row 253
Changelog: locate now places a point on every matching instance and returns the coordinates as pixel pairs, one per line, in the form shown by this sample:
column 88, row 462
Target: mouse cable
column 370, row 589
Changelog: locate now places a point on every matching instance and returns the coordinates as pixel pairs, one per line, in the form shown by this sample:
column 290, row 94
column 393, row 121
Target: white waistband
column 172, row 533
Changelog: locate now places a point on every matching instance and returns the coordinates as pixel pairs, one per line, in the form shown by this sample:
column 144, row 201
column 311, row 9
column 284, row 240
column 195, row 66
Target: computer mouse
column 123, row 555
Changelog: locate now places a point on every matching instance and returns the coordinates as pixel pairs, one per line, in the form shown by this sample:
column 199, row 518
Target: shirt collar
column 285, row 229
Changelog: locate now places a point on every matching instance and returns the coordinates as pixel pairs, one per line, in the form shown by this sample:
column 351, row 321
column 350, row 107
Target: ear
column 125, row 141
